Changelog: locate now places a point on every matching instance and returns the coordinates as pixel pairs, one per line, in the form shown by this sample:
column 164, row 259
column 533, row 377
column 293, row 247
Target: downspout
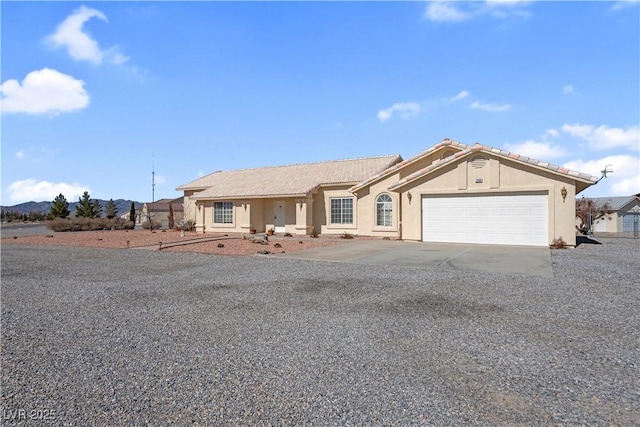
column 400, row 217
column 204, row 226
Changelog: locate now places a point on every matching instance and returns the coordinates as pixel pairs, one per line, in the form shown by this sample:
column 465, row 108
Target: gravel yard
column 95, row 336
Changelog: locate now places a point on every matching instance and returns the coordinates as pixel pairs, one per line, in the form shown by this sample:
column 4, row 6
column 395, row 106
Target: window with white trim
column 384, row 210
column 342, row 210
column 223, row 212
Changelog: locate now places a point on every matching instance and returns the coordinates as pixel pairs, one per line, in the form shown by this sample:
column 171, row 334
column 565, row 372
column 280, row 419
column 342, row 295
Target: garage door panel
column 520, row 219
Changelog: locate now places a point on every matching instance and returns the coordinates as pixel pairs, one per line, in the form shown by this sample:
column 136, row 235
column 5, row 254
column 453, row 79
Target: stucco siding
column 322, row 210
column 493, row 176
column 367, row 208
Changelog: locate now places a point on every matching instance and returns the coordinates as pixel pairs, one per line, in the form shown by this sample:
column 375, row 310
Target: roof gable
column 444, row 144
column 497, row 152
column 163, row 205
column 616, row 203
column 289, row 180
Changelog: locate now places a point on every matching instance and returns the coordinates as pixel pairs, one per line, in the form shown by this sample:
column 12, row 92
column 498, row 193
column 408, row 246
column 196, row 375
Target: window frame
column 343, row 210
column 386, row 209
column 222, row 213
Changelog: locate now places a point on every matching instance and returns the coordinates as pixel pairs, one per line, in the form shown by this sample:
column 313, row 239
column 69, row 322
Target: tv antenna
column 607, row 169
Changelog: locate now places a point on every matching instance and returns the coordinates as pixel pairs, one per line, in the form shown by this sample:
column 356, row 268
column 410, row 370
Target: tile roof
column 289, row 180
column 616, row 203
column 467, row 150
column 397, row 166
column 163, row 205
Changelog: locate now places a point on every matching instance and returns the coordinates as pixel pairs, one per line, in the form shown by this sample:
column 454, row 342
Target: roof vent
column 448, row 153
column 478, row 162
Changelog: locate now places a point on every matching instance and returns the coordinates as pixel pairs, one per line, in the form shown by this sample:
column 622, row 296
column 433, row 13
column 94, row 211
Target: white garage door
column 520, row 219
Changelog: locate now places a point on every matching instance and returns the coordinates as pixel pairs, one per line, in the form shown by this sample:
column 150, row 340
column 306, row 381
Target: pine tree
column 110, row 209
column 60, row 208
column 132, row 213
column 83, row 210
column 96, row 209
column 170, row 216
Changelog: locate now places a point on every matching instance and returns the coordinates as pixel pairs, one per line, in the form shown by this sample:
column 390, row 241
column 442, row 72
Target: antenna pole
column 153, row 191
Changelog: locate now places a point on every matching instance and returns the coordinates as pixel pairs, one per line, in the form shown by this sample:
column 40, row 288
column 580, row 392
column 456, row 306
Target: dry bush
column 558, row 243
column 89, row 224
column 155, row 225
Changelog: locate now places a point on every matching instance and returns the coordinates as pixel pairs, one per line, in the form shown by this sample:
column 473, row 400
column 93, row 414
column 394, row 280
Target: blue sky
column 95, row 93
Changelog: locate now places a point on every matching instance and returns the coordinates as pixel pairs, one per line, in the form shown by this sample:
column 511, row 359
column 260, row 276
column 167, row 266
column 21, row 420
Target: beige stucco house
column 451, row 192
column 159, row 212
column 625, row 211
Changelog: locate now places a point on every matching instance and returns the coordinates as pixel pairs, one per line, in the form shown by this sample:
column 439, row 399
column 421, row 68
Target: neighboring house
column 452, row 192
column 624, row 210
column 125, row 214
column 159, row 211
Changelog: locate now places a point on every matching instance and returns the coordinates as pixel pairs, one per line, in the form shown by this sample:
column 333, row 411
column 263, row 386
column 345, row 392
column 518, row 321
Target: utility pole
column 153, row 191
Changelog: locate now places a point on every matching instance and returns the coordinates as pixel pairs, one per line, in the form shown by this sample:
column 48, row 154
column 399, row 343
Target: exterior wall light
column 409, row 196
column 563, row 193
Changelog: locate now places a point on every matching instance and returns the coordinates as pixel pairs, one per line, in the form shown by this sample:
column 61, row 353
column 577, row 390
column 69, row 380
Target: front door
column 278, row 218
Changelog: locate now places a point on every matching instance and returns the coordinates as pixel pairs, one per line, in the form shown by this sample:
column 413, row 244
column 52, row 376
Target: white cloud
column 445, row 11
column 568, row 89
column 458, row 11
column 490, row 107
column 44, row 91
column 70, row 35
column 507, row 3
column 603, row 137
column 403, row 109
column 37, row 191
column 537, row 150
column 625, row 179
column 623, row 4
column 506, row 8
column 552, row 132
column 159, row 179
column 462, row 95
column 20, row 154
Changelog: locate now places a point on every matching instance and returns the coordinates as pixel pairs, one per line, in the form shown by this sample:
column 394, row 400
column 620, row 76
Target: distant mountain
column 122, row 206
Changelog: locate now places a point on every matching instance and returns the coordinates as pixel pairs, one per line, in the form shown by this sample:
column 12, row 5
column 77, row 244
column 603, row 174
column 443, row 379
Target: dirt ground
column 232, row 244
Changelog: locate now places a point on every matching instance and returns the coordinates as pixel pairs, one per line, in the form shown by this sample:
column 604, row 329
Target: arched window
column 384, row 210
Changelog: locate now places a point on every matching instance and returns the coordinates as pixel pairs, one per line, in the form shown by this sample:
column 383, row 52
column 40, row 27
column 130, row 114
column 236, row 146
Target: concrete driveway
column 529, row 261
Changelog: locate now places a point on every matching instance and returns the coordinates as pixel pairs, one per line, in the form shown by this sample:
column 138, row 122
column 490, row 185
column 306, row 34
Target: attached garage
column 628, row 222
column 505, row 219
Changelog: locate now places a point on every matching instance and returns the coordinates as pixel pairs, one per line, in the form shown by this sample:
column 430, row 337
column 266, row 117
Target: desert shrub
column 59, row 224
column 346, row 235
column 89, row 224
column 189, row 225
column 155, row 225
column 558, row 243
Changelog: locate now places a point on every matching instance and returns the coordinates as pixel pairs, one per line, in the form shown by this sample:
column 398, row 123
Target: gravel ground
column 112, row 337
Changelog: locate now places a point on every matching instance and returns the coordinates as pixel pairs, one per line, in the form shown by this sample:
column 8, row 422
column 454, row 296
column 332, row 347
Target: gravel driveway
column 117, row 337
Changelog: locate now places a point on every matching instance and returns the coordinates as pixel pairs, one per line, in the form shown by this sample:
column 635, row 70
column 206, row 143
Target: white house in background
column 159, row 211
column 624, row 211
